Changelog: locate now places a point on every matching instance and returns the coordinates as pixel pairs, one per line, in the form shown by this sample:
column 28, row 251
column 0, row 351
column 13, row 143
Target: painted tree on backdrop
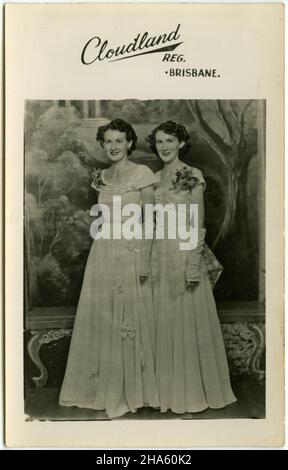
column 230, row 128
column 56, row 200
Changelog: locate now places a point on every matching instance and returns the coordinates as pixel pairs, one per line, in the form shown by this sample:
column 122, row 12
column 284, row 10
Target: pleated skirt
column 111, row 362
column 191, row 364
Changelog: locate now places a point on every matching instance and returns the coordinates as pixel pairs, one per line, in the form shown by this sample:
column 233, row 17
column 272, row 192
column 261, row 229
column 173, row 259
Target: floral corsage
column 184, row 180
column 97, row 178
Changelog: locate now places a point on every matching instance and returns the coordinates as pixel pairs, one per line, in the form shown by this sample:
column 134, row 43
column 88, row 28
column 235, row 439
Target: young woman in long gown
column 191, row 366
column 111, row 359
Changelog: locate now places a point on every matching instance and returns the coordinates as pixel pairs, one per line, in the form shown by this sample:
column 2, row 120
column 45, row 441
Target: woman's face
column 167, row 146
column 116, row 145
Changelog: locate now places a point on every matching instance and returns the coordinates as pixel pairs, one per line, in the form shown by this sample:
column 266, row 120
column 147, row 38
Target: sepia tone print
column 227, row 154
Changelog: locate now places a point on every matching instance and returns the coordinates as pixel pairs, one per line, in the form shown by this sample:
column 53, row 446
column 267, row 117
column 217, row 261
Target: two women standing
column 135, row 344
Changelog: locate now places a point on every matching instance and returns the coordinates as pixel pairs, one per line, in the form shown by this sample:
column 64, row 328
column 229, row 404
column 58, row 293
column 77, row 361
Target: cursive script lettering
column 97, row 49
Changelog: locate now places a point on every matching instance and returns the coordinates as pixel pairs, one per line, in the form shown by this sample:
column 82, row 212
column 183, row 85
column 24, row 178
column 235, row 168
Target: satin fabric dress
column 112, row 354
column 191, row 365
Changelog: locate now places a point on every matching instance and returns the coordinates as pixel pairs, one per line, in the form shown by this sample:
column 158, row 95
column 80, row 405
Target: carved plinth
column 242, row 326
column 245, row 345
column 37, row 339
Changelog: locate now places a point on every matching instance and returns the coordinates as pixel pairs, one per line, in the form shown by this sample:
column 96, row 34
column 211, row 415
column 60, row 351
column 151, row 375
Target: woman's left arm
column 197, row 196
column 194, row 256
column 147, row 197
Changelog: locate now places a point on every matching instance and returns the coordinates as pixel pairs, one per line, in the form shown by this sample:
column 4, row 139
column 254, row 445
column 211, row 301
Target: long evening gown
column 191, row 366
column 112, row 354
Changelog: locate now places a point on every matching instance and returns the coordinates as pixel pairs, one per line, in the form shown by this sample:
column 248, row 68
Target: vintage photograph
column 121, row 325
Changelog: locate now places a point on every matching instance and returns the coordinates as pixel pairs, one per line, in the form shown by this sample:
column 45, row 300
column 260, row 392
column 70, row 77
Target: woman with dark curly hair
column 191, row 366
column 111, row 360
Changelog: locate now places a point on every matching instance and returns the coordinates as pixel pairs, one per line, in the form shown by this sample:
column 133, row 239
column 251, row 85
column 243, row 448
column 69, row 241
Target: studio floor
column 42, row 404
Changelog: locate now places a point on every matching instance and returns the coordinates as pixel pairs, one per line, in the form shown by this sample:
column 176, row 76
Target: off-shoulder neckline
column 179, row 167
column 134, row 170
column 140, row 177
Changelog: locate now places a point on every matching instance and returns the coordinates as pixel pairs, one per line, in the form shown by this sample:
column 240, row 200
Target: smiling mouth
column 165, row 153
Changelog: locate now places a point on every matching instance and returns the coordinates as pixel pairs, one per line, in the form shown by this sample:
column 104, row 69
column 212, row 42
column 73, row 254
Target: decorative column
column 85, row 109
column 98, row 110
column 93, row 122
column 100, row 119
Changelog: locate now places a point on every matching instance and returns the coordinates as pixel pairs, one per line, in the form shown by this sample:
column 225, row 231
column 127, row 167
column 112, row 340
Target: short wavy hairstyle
column 172, row 128
column 121, row 126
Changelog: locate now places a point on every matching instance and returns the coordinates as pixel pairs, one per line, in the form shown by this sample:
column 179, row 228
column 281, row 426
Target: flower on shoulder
column 184, row 180
column 97, row 177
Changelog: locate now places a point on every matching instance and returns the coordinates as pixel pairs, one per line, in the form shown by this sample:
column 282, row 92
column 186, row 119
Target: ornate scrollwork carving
column 255, row 362
column 245, row 343
column 37, row 339
column 54, row 335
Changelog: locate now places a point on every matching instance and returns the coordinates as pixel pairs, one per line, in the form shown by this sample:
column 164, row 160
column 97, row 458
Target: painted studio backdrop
column 61, row 152
column 227, row 140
